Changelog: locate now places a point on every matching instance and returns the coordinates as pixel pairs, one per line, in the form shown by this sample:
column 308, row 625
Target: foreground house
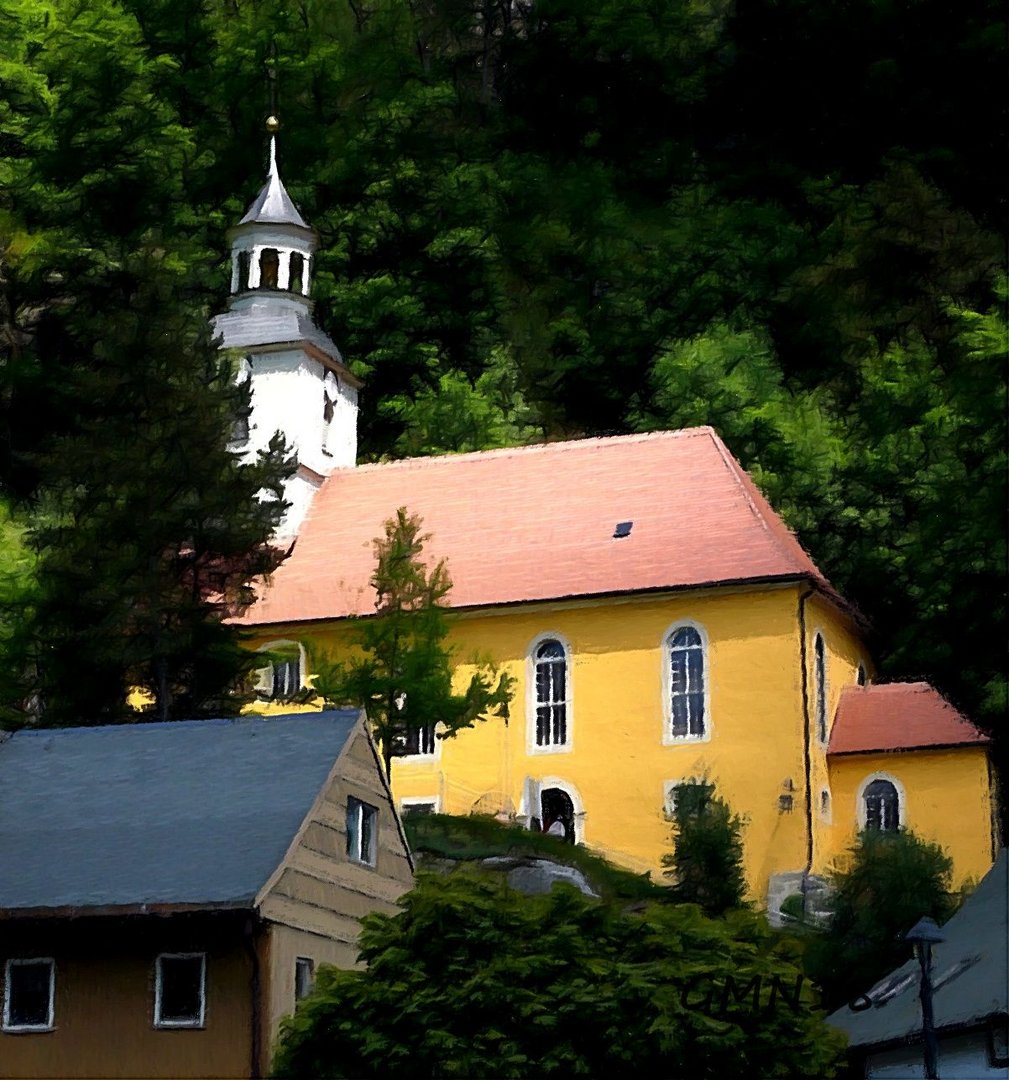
column 970, row 976
column 661, row 621
column 168, row 889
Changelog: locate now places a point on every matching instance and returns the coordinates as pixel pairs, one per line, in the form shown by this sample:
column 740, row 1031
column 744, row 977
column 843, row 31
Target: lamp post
column 923, row 935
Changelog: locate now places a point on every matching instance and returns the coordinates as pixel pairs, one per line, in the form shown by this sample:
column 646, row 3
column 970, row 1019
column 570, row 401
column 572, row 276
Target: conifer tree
column 706, row 863
column 402, row 675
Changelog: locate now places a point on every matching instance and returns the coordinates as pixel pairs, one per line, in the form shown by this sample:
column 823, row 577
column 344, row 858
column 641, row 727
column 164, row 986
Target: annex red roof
column 538, row 522
column 898, row 716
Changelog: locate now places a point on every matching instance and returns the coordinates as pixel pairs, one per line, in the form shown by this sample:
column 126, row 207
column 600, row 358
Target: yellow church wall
column 617, row 764
column 844, row 651
column 944, row 795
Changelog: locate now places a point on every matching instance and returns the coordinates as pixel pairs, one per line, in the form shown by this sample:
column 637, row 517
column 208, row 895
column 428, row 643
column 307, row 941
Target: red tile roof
column 898, row 716
column 537, row 523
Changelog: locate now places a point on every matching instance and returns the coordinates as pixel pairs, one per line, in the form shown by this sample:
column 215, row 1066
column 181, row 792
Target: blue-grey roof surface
column 271, row 325
column 191, row 812
column 970, row 972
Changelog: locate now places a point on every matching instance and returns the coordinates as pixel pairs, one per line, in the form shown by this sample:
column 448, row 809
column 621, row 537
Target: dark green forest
column 783, row 218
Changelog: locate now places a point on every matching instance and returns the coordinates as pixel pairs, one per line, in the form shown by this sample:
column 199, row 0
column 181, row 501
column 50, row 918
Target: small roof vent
column 623, row 529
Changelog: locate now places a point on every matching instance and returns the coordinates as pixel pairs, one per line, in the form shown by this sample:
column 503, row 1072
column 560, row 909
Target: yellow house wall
column 946, row 798
column 843, row 652
column 617, row 762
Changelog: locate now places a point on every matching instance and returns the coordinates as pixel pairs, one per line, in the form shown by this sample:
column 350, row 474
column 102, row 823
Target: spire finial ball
column 272, row 124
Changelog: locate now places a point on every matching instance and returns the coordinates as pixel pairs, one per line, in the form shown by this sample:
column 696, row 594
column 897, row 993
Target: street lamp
column 923, row 935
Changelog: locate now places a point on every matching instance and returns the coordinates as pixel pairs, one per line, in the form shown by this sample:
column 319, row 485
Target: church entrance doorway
column 557, row 813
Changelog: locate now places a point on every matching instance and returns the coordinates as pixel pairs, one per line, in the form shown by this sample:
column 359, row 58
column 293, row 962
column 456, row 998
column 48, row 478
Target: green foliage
column 479, row 836
column 887, row 883
column 706, row 863
column 402, row 676
column 473, row 979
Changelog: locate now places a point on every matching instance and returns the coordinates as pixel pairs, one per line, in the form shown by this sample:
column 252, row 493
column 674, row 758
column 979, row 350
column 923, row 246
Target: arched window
column 550, row 661
column 686, row 683
column 820, row 684
column 269, row 268
column 882, row 806
column 297, row 272
column 283, row 678
column 860, row 676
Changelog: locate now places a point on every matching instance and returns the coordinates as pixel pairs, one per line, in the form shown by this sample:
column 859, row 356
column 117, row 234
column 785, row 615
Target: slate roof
column 537, row 523
column 192, row 812
column 898, row 716
column 263, row 322
column 970, row 973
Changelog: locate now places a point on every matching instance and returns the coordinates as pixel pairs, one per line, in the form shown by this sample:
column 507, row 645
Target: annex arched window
column 860, row 676
column 881, row 806
column 820, row 686
column 685, row 658
column 551, row 691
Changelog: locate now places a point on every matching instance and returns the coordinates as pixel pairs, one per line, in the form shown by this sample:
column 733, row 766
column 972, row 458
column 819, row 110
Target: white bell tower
column 299, row 383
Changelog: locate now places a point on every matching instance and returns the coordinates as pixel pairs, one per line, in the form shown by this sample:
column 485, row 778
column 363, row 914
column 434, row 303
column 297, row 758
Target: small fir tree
column 402, row 676
column 887, row 882
column 706, row 863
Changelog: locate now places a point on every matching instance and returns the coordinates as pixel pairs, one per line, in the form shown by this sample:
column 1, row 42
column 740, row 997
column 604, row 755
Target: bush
column 473, row 979
column 887, row 882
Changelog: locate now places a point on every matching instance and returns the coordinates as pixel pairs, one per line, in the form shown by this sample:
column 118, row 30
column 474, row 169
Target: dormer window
column 296, row 277
column 269, row 268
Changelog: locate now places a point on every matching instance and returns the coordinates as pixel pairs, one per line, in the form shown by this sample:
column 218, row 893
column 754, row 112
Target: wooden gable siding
column 318, row 888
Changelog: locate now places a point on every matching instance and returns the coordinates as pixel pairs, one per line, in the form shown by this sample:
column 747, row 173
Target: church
column 661, row 622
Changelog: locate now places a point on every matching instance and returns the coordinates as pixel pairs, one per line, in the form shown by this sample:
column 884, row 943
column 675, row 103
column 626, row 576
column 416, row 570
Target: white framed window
column 881, row 803
column 29, row 994
column 180, row 990
column 304, row 977
column 418, row 804
column 362, row 830
column 685, row 683
column 549, row 699
column 284, row 677
column 416, row 742
column 820, row 686
column 669, row 792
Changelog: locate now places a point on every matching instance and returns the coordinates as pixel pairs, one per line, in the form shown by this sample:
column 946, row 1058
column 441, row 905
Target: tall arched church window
column 882, row 806
column 269, row 268
column 820, row 684
column 860, row 676
column 551, row 674
column 685, row 649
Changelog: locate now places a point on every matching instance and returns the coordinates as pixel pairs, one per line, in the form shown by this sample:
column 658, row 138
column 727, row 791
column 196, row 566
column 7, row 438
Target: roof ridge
column 560, row 445
column 159, row 725
column 736, row 469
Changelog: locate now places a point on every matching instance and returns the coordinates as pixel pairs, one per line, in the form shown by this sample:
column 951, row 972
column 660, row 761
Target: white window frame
column 264, row 682
column 825, row 807
column 577, row 806
column 860, row 808
column 532, row 700
column 159, row 1021
column 822, row 725
column 299, row 963
column 668, row 738
column 24, row 961
column 356, row 854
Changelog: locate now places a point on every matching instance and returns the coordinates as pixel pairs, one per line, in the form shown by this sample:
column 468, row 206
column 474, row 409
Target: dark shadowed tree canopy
column 539, row 219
